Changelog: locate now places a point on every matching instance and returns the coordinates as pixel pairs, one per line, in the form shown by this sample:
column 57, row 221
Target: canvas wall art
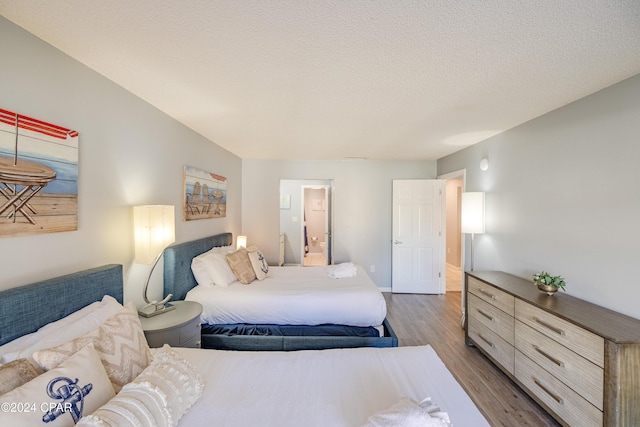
column 38, row 176
column 205, row 194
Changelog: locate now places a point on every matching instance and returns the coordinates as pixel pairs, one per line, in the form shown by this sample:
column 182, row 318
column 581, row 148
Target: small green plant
column 544, row 278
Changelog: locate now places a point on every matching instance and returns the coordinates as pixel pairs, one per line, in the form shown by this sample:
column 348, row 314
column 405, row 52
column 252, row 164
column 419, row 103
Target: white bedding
column 294, row 296
column 339, row 387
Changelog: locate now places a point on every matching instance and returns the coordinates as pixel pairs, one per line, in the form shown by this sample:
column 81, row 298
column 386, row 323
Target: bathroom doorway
column 306, row 205
column 315, row 225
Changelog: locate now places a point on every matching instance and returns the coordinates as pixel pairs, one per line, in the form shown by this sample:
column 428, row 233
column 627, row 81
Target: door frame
column 461, row 173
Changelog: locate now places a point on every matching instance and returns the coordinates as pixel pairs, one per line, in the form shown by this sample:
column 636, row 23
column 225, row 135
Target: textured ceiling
column 336, row 78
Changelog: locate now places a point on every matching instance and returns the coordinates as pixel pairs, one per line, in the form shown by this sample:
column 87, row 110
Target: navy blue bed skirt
column 290, row 330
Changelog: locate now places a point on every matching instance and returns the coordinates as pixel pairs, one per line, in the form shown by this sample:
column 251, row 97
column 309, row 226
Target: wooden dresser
column 579, row 361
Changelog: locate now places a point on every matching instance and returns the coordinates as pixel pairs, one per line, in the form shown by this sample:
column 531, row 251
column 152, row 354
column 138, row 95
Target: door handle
column 397, row 242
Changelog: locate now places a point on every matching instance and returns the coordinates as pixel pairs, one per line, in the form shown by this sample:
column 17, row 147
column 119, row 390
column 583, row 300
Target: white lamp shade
column 473, row 212
column 154, row 230
column 241, row 242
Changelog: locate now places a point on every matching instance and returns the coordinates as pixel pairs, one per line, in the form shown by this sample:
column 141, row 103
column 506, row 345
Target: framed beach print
column 38, row 176
column 205, row 194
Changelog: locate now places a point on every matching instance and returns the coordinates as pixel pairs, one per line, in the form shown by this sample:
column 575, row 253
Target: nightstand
column 178, row 328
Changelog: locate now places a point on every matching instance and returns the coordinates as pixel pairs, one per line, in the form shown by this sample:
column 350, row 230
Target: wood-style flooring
column 435, row 320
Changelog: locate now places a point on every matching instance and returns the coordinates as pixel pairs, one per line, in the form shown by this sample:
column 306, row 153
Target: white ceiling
column 330, row 79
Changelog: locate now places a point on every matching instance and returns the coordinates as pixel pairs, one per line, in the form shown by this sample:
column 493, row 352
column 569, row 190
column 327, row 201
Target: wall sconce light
column 484, row 164
column 241, row 242
column 472, row 220
column 154, row 230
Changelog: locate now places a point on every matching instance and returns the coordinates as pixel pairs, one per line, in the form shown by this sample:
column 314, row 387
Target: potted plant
column 548, row 283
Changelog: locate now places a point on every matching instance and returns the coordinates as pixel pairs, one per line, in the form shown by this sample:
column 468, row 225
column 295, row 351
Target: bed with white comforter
column 294, row 296
column 292, row 308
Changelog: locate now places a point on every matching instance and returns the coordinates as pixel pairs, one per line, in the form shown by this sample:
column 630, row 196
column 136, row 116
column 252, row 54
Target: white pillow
column 119, row 341
column 223, row 249
column 259, row 263
column 55, row 333
column 159, row 396
column 211, row 268
column 77, row 387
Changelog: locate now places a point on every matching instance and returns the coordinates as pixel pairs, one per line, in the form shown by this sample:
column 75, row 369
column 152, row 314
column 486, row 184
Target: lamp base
column 154, row 310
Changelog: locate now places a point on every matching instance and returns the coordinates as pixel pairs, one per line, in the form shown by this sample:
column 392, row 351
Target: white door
column 418, row 254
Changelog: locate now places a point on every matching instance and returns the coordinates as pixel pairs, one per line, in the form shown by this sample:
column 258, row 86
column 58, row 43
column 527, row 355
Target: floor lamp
column 154, row 230
column 472, row 222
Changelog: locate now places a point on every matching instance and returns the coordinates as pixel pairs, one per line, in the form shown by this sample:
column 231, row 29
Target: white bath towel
column 409, row 413
column 338, row 271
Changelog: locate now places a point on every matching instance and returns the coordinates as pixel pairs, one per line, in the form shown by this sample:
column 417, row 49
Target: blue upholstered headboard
column 178, row 278
column 27, row 308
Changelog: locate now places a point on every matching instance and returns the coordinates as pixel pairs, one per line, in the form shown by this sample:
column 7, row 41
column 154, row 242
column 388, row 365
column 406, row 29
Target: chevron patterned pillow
column 119, row 341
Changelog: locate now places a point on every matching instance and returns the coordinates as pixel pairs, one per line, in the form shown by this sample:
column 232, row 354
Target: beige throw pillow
column 119, row 341
column 241, row 266
column 16, row 373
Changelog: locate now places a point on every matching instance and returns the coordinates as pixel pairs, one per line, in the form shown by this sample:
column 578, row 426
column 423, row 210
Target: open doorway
column 455, row 186
column 311, row 213
column 315, row 232
column 454, row 236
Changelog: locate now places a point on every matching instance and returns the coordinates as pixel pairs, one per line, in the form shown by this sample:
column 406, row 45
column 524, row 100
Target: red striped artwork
column 35, row 125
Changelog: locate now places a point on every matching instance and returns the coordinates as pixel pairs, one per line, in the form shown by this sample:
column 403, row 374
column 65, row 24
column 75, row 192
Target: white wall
column 562, row 196
column 362, row 205
column 129, row 154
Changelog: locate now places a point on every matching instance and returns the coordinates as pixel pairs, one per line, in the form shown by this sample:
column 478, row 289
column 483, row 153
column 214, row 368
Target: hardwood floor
column 435, row 320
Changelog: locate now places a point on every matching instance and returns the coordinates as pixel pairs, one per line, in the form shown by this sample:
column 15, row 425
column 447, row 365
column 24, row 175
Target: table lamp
column 154, row 230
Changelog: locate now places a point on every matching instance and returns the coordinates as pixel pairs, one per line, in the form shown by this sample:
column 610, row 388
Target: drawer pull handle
column 487, row 293
column 548, row 326
column 546, row 390
column 492, row 345
column 488, row 316
column 548, row 356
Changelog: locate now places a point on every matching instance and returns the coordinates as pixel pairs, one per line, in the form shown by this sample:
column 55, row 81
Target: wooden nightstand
column 178, row 328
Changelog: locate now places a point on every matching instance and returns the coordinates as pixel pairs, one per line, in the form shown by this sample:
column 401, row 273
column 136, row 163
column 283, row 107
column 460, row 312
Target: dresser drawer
column 492, row 295
column 581, row 375
column 494, row 319
column 567, row 404
column 579, row 340
column 500, row 350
